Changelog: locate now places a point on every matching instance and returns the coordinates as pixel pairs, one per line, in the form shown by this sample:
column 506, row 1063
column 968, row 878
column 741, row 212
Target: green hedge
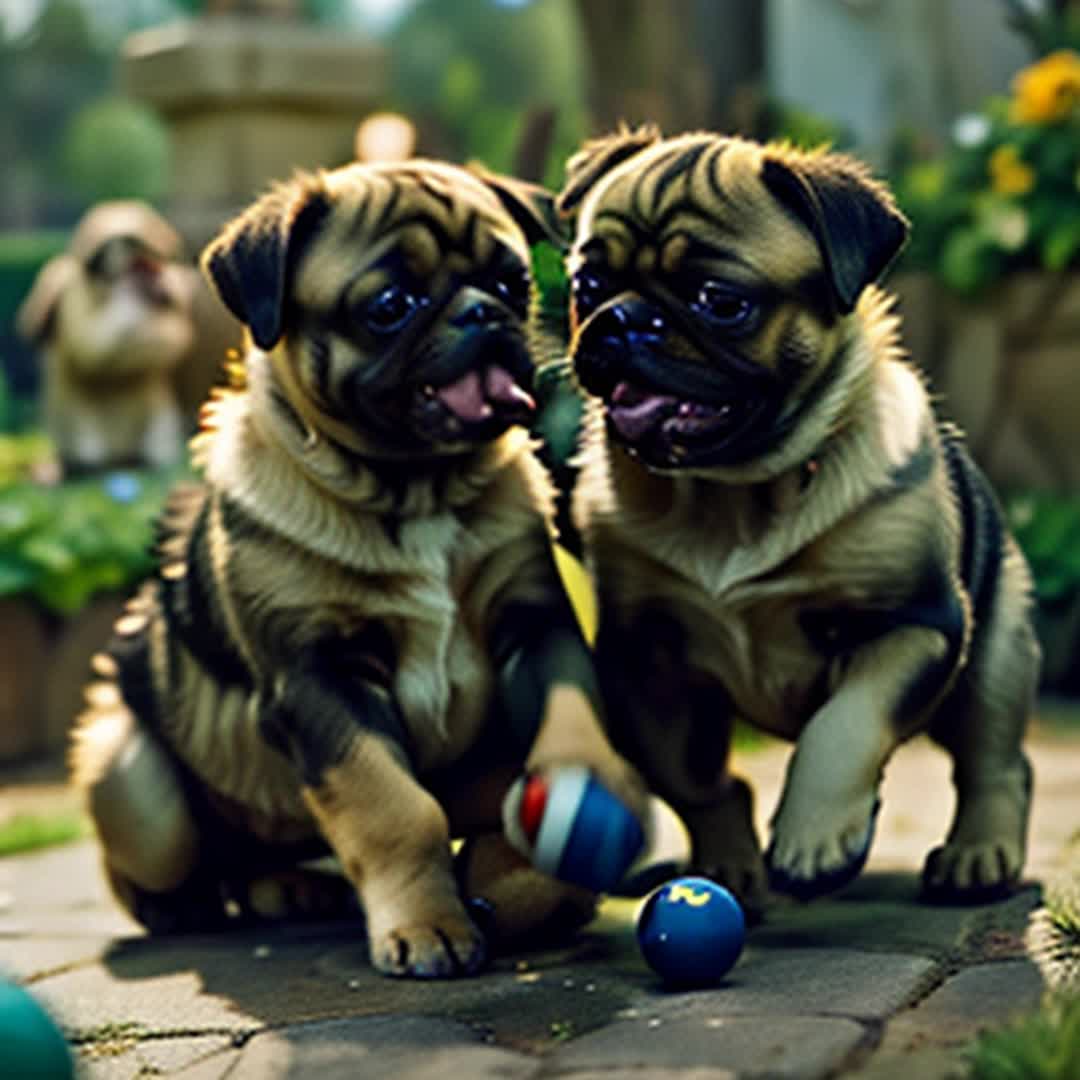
column 61, row 545
column 22, row 255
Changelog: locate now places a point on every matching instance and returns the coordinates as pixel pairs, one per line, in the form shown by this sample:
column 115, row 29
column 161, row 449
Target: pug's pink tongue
column 500, row 386
column 634, row 411
column 469, row 398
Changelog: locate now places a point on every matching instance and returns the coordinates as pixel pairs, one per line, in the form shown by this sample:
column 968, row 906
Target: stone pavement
column 868, row 984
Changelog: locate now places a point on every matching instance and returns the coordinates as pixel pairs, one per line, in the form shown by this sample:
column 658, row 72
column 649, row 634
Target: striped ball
column 571, row 827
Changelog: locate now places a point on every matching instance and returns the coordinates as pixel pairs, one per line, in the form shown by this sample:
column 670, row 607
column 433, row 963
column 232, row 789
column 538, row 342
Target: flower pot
column 1007, row 367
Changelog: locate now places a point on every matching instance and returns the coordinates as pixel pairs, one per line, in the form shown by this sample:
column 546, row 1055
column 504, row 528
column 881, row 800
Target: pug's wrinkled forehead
column 683, row 202
column 434, row 221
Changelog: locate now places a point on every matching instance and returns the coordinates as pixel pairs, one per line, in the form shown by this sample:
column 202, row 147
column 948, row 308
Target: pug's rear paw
column 959, row 873
column 809, row 858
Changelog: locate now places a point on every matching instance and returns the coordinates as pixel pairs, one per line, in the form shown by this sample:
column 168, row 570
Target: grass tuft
column 30, row 832
column 1044, row 1045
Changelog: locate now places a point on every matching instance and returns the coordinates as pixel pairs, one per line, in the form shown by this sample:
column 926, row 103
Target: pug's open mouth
column 668, row 430
column 478, row 405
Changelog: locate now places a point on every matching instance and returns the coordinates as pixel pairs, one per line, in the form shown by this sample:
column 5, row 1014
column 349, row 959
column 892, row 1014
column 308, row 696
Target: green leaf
column 969, row 261
column 15, row 575
column 1062, row 246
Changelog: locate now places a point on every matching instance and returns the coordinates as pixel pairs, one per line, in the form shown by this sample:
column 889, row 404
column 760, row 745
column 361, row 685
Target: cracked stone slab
column 818, row 982
column 30, row 957
column 777, row 1046
column 928, row 1063
column 933, row 1032
column 243, row 982
column 882, row 912
column 378, row 1047
column 653, row 1072
column 980, row 997
column 126, row 1059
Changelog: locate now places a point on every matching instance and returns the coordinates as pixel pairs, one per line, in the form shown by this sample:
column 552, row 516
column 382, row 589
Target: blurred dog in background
column 113, row 318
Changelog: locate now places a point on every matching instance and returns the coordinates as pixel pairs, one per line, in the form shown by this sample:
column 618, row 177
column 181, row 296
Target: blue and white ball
column 570, row 826
column 691, row 931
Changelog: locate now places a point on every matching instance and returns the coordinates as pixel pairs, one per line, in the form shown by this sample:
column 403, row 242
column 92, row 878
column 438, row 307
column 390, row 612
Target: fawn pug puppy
column 780, row 529
column 357, row 636
column 113, row 318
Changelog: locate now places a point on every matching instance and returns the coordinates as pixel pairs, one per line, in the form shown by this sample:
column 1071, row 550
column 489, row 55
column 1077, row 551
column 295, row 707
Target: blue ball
column 31, row 1045
column 691, row 931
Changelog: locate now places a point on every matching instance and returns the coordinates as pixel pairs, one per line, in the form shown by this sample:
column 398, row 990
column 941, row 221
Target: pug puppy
column 357, row 637
column 779, row 529
column 113, row 318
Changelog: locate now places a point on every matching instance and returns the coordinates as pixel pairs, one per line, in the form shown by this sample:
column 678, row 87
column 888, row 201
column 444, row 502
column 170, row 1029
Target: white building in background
column 878, row 65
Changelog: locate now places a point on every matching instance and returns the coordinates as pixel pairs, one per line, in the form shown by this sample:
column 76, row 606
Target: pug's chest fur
column 769, row 614
column 757, row 641
column 420, row 608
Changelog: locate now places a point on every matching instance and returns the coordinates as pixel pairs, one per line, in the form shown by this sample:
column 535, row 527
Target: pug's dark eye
column 724, row 306
column 389, row 310
column 589, row 288
column 512, row 287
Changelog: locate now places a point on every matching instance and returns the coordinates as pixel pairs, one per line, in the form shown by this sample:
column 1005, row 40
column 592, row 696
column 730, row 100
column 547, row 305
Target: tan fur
column 706, row 573
column 109, row 352
column 345, row 586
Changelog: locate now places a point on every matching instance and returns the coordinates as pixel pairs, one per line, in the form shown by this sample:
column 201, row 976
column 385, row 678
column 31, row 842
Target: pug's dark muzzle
column 477, row 389
column 669, row 411
column 471, row 388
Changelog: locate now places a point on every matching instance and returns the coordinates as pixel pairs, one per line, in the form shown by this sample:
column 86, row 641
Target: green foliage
column 116, row 149
column 24, row 454
column 1051, row 25
column 549, row 273
column 1047, row 528
column 1042, row 1046
column 785, row 122
column 1005, row 196
column 61, row 545
column 31, row 832
column 22, row 255
column 475, row 67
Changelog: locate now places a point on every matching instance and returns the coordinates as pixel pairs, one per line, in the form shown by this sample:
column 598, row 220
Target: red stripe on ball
column 533, row 801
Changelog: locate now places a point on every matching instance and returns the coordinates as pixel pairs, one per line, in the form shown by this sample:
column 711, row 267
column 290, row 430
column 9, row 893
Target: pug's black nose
column 628, row 322
column 612, row 336
column 636, row 318
column 481, row 313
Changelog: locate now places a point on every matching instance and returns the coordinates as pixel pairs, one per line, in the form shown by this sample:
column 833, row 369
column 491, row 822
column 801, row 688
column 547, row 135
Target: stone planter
column 44, row 665
column 23, row 664
column 1007, row 369
column 248, row 100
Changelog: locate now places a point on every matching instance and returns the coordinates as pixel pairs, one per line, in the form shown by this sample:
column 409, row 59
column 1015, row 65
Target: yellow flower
column 1009, row 175
column 1047, row 91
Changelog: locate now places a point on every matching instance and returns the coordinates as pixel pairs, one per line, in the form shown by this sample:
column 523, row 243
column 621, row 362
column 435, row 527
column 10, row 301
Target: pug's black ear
column 599, row 156
column 251, row 261
column 853, row 217
column 531, row 206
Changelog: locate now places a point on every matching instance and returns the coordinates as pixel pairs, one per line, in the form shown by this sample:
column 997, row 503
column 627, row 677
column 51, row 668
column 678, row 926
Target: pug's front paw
column 443, row 949
column 811, row 855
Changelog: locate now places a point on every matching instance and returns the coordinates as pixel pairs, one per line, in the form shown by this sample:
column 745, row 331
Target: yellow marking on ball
column 579, row 588
column 685, row 894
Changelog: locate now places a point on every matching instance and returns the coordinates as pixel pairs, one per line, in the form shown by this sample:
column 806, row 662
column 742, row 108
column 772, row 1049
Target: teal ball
column 32, row 1047
column 691, row 931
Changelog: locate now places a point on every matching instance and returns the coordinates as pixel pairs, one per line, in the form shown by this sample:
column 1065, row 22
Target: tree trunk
column 683, row 64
